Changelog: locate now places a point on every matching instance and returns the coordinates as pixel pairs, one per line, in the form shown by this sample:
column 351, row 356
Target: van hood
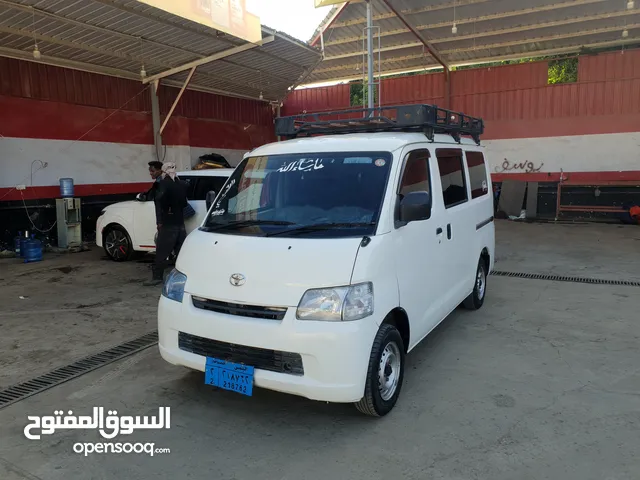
column 277, row 271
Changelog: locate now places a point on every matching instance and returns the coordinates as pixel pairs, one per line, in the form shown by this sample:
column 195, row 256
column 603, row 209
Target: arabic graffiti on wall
column 518, row 167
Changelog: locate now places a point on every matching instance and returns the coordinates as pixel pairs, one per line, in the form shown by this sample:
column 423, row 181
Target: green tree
column 359, row 95
column 563, row 71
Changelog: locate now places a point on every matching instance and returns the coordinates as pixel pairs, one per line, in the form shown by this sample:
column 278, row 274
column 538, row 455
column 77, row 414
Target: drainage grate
column 560, row 278
column 60, row 375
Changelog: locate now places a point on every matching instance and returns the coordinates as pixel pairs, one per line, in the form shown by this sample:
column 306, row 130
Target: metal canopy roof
column 487, row 31
column 117, row 37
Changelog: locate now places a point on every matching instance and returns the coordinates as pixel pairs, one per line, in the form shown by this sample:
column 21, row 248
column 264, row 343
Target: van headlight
column 173, row 287
column 337, row 304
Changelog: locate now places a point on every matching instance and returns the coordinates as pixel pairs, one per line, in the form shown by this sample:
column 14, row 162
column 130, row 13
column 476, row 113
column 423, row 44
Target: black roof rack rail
column 427, row 119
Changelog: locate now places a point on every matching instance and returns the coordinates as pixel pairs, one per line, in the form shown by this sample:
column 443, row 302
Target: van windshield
column 303, row 195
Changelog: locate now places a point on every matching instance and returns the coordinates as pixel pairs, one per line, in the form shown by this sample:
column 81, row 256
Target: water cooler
column 69, row 217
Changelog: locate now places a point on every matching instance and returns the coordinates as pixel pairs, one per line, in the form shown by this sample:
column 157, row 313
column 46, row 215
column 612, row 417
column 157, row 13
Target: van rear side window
column 454, row 187
column 477, row 174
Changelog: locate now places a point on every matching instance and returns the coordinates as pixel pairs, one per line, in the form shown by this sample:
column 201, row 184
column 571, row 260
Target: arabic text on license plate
column 229, row 376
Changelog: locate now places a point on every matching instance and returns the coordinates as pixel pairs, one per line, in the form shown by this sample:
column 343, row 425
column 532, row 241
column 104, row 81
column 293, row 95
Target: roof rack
column 428, row 119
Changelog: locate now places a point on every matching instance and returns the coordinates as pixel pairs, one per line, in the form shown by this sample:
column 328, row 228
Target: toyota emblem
column 237, row 279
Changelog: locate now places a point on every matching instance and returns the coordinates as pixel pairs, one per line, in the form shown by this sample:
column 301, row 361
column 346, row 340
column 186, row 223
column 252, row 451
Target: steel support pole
column 155, row 116
column 371, row 86
column 278, row 111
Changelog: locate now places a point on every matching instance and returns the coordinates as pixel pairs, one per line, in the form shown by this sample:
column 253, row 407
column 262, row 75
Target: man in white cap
column 170, row 200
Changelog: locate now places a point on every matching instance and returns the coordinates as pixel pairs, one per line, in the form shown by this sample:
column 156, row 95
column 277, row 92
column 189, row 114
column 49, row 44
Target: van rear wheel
column 476, row 299
column 384, row 374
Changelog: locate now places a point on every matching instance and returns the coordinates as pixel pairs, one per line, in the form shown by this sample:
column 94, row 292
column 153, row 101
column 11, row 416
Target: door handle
column 449, row 231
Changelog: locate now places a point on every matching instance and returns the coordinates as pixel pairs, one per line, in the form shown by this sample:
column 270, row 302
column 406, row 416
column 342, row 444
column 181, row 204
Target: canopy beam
column 175, row 102
column 209, row 59
column 430, row 48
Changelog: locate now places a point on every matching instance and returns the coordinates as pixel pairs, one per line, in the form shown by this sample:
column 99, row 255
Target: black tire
column 476, row 299
column 373, row 403
column 122, row 248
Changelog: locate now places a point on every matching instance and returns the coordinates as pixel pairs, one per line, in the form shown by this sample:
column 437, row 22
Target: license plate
column 229, row 376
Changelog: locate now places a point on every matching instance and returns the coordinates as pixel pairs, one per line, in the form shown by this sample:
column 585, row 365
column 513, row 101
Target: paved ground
column 542, row 383
column 66, row 307
column 583, row 250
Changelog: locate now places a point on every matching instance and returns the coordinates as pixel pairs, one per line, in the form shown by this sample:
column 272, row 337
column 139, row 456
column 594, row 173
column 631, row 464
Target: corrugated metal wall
column 498, row 92
column 203, row 105
column 397, row 91
column 43, row 82
column 612, row 66
column 607, row 84
column 317, row 99
column 499, row 79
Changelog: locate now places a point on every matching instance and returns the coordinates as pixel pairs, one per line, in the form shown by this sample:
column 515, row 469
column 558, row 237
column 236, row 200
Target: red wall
column 41, row 101
column 317, row 99
column 515, row 100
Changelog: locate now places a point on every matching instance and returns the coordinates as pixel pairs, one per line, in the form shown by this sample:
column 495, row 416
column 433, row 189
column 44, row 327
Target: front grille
column 241, row 310
column 261, row 358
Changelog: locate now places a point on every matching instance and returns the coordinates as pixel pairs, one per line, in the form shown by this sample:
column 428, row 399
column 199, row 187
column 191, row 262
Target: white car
column 127, row 227
column 324, row 260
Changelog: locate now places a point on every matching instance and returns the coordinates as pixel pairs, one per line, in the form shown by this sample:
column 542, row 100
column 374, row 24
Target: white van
column 127, row 227
column 324, row 260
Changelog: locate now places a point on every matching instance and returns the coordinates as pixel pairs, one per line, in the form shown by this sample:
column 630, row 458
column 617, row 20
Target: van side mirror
column 211, row 196
column 414, row 206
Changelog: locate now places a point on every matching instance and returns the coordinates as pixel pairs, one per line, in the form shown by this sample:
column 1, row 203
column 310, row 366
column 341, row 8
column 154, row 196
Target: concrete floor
column 66, row 307
column 542, row 383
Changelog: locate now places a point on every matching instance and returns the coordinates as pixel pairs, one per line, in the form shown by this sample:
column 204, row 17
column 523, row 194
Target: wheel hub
column 116, row 244
column 389, row 371
column 481, row 283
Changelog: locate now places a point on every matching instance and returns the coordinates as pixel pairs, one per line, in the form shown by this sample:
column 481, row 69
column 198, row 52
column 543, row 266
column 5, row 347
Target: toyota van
column 329, row 256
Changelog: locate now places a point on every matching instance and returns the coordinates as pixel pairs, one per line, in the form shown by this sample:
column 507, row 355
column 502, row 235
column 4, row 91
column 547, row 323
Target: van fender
column 375, row 264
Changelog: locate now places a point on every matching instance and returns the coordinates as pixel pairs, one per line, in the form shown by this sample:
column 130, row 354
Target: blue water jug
column 32, row 251
column 23, row 241
column 66, row 187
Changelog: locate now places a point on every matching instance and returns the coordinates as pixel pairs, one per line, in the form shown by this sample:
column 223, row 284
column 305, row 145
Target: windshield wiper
column 321, row 227
column 242, row 223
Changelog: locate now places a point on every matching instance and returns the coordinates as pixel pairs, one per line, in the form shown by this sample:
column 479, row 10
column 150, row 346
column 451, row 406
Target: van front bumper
column 335, row 355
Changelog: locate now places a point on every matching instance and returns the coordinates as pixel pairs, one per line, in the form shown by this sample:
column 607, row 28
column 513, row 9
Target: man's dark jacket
column 170, row 200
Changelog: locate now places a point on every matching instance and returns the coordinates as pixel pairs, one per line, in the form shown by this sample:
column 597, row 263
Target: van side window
column 416, row 173
column 477, row 174
column 454, row 188
column 207, row 184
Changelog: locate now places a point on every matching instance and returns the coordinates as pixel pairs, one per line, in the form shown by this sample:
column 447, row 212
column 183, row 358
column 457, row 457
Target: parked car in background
column 127, row 227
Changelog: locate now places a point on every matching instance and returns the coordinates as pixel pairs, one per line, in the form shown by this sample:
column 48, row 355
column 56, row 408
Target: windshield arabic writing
column 276, row 193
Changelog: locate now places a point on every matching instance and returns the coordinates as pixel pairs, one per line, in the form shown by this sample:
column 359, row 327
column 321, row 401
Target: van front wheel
column 384, row 374
column 476, row 299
